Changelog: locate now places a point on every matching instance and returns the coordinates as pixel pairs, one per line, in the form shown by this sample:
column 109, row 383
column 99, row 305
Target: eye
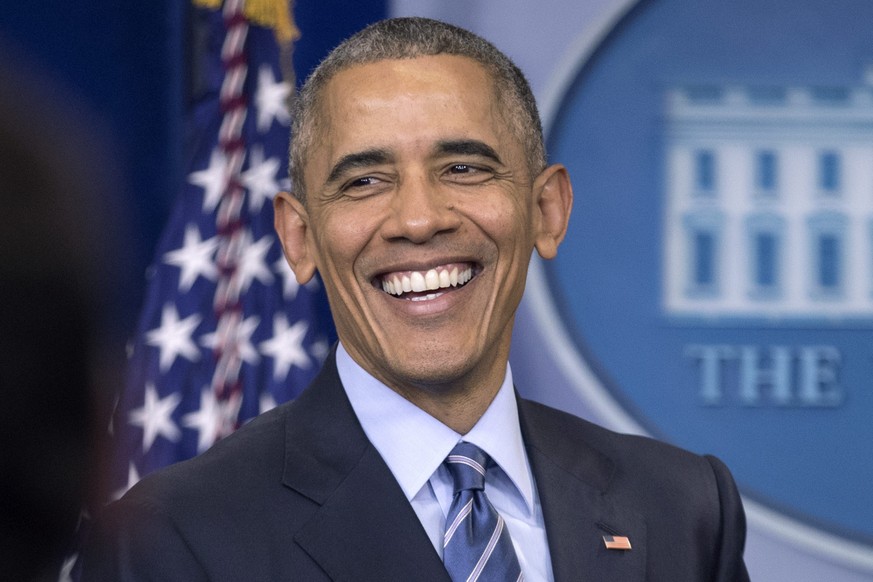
column 462, row 169
column 361, row 187
column 362, row 182
column 468, row 174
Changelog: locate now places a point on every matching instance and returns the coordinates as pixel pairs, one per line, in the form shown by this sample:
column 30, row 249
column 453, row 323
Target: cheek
column 342, row 237
column 338, row 239
column 503, row 220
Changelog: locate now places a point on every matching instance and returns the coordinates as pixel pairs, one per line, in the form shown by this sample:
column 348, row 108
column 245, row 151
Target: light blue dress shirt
column 415, row 444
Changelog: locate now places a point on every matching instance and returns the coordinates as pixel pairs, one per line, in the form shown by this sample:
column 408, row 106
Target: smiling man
column 421, row 210
column 421, row 191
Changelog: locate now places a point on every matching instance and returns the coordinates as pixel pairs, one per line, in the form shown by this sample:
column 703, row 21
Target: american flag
column 616, row 543
column 225, row 332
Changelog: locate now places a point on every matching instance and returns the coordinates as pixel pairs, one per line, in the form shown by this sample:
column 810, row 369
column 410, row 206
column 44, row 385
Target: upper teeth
column 418, row 281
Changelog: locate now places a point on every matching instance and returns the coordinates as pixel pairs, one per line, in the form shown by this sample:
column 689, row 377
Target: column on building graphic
column 768, row 202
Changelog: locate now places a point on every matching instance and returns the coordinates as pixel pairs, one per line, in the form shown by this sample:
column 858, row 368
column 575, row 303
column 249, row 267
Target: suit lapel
column 365, row 528
column 358, row 536
column 573, row 486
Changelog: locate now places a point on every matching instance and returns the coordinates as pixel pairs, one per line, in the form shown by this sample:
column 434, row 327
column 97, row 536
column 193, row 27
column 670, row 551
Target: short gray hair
column 407, row 38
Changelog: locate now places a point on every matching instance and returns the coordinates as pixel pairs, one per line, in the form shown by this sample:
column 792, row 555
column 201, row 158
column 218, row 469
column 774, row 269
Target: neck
column 459, row 410
column 459, row 399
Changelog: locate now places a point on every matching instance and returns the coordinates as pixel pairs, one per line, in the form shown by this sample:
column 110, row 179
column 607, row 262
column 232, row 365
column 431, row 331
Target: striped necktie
column 476, row 545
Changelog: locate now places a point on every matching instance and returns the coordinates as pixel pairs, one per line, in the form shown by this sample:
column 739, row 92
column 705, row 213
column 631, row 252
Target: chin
column 433, row 370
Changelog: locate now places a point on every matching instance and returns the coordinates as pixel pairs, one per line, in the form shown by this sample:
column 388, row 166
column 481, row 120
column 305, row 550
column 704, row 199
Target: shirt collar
column 414, row 444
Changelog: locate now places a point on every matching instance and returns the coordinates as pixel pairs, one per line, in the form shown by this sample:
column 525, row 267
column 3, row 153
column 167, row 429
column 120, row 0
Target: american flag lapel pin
column 617, row 543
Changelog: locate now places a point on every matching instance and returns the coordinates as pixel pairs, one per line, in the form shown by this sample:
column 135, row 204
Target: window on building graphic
column 829, row 252
column 703, row 231
column 704, row 259
column 828, row 236
column 766, row 249
column 704, row 172
column 829, row 172
column 704, row 94
column 869, row 253
column 766, row 173
column 765, row 234
column 831, row 95
column 767, row 95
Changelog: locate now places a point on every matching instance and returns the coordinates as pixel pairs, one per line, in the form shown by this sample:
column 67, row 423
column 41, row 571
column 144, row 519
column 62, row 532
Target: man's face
column 421, row 219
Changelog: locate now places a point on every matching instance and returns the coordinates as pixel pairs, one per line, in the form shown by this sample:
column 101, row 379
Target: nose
column 420, row 210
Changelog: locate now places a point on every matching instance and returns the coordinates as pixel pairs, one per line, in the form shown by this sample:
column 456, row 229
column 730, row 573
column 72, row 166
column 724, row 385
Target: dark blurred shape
column 58, row 265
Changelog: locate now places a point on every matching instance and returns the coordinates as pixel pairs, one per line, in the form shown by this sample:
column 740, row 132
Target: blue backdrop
column 600, row 69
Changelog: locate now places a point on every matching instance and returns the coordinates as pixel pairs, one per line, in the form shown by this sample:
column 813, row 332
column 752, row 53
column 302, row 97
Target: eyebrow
column 358, row 160
column 378, row 156
column 467, row 148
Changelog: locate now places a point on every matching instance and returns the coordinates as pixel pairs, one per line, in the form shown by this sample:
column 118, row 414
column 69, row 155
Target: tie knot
column 467, row 464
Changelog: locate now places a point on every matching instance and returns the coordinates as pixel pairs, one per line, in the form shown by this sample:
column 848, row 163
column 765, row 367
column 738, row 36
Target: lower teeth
column 427, row 297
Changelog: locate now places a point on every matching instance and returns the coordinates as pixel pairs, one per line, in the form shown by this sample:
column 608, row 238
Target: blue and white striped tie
column 476, row 545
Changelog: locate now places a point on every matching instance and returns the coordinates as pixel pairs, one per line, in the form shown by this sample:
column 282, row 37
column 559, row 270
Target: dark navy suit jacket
column 301, row 494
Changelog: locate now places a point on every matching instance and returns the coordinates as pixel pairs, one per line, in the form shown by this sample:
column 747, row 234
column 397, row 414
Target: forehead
column 431, row 72
column 429, row 97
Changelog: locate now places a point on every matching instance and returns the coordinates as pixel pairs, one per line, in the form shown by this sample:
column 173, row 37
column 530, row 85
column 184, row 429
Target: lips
column 419, row 285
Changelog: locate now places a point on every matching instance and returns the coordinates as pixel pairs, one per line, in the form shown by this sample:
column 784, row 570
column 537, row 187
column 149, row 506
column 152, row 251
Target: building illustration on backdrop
column 769, row 201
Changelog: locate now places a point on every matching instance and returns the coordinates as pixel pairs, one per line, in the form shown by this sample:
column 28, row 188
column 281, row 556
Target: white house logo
column 718, row 276
column 769, row 202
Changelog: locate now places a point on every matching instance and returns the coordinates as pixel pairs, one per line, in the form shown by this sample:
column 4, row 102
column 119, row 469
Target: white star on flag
column 319, row 350
column 155, row 417
column 290, row 286
column 252, row 263
column 267, row 402
column 173, row 337
column 195, row 258
column 241, row 343
column 132, row 479
column 67, row 569
column 213, row 180
column 286, row 346
column 260, row 178
column 214, row 419
column 271, row 99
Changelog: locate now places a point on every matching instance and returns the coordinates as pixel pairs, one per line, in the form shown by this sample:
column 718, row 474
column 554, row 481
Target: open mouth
column 426, row 285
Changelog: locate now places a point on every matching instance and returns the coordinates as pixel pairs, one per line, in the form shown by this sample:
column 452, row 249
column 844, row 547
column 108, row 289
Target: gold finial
column 212, row 4
column 275, row 14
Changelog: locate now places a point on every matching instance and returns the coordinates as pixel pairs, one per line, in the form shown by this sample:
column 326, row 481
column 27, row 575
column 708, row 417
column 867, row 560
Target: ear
column 292, row 225
column 554, row 200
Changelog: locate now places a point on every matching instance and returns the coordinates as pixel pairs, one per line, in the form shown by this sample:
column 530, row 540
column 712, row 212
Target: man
column 420, row 192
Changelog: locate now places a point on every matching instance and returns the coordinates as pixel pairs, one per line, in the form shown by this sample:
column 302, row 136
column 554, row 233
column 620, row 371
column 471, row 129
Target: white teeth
column 418, row 284
column 430, row 280
column 427, row 297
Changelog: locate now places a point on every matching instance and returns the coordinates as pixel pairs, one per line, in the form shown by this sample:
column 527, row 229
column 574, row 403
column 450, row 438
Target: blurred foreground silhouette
column 58, row 359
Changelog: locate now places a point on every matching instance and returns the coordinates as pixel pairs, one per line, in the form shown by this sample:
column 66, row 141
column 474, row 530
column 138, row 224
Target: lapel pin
column 616, row 543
